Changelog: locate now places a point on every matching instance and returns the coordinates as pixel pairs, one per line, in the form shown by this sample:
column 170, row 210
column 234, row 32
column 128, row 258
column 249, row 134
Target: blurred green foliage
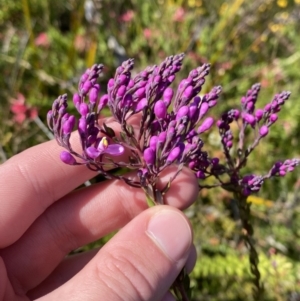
column 46, row 45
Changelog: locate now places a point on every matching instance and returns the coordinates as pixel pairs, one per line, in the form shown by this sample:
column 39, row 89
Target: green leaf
column 109, row 131
column 150, row 201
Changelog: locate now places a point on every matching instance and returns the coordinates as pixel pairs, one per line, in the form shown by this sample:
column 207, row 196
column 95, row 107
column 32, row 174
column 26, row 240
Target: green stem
column 245, row 216
column 27, row 19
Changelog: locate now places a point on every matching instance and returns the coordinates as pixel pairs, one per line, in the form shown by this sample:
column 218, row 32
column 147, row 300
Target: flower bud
column 149, row 156
column 188, row 92
column 122, row 79
column 141, row 105
column 192, row 164
column 215, row 161
column 140, row 93
column 248, row 118
column 263, row 131
column 193, row 110
column 110, row 84
column 200, row 175
column 167, row 96
column 69, row 125
column 162, row 137
column 273, row 118
column 267, row 107
column 206, row 125
column 85, row 76
column 67, row 158
column 82, row 126
column 83, row 109
column 86, row 87
column 182, row 112
column 93, row 95
column 212, row 103
column 160, row 109
column 121, row 91
column 153, row 142
column 229, row 144
column 130, row 84
column 171, row 78
column 76, row 100
column 203, row 109
column 259, row 114
column 103, row 102
column 250, row 106
column 174, row 154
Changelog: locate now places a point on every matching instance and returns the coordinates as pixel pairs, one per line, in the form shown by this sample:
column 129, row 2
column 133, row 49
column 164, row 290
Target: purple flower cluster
column 62, row 123
column 171, row 124
column 259, row 120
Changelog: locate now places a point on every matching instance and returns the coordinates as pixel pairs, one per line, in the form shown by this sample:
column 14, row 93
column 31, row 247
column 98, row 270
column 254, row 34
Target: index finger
column 31, row 181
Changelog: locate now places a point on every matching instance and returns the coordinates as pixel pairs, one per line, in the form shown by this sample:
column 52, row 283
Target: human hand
column 42, row 219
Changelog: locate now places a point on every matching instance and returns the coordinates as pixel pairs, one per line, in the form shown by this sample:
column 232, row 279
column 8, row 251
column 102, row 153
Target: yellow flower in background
column 194, row 3
column 274, row 27
column 259, row 201
column 282, row 3
column 284, row 15
column 297, row 1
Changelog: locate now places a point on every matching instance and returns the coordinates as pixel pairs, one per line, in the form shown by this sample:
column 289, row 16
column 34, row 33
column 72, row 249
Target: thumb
column 140, row 262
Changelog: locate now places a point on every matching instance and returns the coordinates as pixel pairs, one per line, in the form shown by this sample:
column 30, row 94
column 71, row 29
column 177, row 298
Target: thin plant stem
column 247, row 235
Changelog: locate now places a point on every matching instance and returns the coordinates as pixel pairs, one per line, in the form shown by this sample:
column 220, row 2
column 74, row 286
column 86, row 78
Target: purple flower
column 104, row 148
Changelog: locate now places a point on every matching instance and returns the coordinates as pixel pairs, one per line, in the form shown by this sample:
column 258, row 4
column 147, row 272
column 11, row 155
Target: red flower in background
column 21, row 110
column 42, row 40
column 179, row 15
column 127, row 16
column 147, row 33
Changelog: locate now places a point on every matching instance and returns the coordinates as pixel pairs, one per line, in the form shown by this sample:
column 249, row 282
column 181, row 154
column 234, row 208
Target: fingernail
column 171, row 233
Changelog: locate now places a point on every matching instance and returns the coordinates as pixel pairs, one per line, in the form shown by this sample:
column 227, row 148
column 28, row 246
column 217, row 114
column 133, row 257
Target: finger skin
column 80, row 218
column 75, row 263
column 63, row 273
column 139, row 263
column 33, row 180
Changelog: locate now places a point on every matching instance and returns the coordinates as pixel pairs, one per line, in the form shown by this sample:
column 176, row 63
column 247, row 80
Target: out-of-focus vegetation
column 46, row 45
